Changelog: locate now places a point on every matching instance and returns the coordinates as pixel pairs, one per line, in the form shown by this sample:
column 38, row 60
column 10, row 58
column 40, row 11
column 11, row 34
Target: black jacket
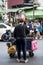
column 20, row 31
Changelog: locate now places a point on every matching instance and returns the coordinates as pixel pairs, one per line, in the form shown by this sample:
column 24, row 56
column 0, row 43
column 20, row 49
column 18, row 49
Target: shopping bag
column 34, row 45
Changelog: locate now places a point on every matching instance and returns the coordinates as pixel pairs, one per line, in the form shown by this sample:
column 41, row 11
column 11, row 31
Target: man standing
column 20, row 33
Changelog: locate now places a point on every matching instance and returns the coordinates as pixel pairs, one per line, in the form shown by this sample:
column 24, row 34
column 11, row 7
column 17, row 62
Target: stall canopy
column 16, row 9
column 37, row 14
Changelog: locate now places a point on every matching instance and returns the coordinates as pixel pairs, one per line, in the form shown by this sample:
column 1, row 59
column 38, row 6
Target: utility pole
column 33, row 9
column 6, row 4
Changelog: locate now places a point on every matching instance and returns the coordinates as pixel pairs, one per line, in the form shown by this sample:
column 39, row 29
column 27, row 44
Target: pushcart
column 12, row 47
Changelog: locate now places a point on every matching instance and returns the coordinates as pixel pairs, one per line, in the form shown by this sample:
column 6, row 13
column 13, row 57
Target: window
column 26, row 1
column 2, row 26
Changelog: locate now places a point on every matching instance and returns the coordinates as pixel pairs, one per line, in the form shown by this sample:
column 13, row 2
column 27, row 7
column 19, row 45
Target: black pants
column 20, row 43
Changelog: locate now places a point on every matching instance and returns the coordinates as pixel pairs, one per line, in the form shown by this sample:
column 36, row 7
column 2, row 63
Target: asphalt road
column 36, row 60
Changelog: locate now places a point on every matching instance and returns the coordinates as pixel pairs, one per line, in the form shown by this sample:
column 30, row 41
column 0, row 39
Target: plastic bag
column 34, row 45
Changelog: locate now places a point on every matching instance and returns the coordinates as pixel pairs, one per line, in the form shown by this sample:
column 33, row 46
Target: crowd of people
column 36, row 27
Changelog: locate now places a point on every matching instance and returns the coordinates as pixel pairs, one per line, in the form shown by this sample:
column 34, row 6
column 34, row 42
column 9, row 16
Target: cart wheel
column 11, row 55
column 31, row 54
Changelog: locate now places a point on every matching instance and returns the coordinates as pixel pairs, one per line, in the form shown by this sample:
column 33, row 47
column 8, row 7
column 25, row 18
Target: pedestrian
column 30, row 25
column 5, row 18
column 20, row 33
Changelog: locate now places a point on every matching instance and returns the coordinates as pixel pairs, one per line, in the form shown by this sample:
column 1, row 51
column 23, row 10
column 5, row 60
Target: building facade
column 12, row 3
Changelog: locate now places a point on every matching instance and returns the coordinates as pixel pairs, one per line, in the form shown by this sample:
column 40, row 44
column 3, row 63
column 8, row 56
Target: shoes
column 18, row 60
column 25, row 61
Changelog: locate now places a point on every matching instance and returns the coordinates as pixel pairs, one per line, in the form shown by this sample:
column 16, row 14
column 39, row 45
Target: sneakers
column 18, row 60
column 25, row 61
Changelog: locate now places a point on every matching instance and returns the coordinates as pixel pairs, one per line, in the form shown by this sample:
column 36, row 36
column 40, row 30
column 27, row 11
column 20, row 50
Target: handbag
column 34, row 45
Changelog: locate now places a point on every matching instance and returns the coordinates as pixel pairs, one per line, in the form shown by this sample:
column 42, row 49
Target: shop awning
column 37, row 14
